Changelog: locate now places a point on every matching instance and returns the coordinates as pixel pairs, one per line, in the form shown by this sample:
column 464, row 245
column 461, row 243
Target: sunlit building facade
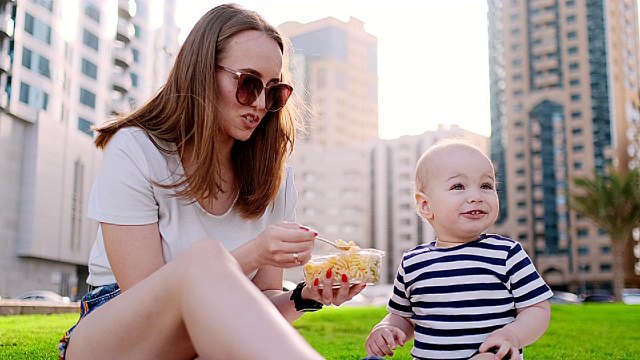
column 564, row 97
column 336, row 72
column 64, row 66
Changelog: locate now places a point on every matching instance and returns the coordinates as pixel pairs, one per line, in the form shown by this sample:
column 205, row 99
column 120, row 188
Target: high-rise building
column 64, row 66
column 335, row 71
column 564, row 97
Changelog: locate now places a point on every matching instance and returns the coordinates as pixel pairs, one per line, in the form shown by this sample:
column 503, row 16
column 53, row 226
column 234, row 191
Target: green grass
column 590, row 331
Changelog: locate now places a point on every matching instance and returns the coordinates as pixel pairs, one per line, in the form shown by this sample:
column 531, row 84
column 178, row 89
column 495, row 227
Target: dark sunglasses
column 250, row 87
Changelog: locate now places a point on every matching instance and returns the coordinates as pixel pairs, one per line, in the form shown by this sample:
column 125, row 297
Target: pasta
column 360, row 265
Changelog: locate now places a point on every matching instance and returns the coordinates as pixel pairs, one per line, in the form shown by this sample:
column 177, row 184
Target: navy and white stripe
column 457, row 296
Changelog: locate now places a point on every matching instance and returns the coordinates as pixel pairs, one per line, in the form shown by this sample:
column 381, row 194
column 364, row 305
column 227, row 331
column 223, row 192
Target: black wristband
column 303, row 305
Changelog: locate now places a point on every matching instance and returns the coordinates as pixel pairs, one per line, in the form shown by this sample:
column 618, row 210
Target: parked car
column 44, row 296
column 563, row 297
column 631, row 296
column 599, row 298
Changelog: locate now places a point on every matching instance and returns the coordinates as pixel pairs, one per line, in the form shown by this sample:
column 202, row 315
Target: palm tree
column 613, row 203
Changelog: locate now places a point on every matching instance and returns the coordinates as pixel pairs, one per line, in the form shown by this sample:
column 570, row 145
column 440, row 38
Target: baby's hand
column 502, row 344
column 383, row 340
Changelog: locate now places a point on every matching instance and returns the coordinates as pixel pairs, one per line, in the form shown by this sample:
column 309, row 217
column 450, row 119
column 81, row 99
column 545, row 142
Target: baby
column 467, row 294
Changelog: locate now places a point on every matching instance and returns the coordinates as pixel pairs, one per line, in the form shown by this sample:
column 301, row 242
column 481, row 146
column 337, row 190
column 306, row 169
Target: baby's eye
column 457, row 187
column 487, row 186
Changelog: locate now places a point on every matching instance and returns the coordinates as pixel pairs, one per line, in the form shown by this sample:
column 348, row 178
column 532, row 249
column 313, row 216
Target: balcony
column 127, row 9
column 121, row 81
column 5, row 62
column 4, row 3
column 122, row 57
column 125, row 32
column 6, row 25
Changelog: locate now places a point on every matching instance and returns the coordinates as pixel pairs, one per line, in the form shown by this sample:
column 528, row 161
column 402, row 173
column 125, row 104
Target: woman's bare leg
column 200, row 303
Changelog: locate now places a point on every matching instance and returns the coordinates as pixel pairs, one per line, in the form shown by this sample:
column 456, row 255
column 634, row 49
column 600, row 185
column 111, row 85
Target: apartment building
column 64, row 66
column 336, row 72
column 564, row 97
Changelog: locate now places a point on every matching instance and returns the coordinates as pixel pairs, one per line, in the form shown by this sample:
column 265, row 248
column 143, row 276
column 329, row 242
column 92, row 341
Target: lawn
column 589, row 331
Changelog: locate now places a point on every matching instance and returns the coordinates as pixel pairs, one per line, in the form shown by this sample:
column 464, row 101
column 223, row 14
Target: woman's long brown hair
column 184, row 112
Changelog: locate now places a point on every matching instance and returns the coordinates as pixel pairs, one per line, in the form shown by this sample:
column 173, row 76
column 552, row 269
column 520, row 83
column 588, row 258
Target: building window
column 91, row 40
column 522, row 204
column 92, row 12
column 522, row 221
column 583, row 251
column 38, row 63
column 33, row 96
column 585, row 268
column 605, row 267
column 136, row 55
column 520, row 172
column 47, row 4
column 574, row 66
column 577, row 165
column 88, row 98
column 521, row 188
column 572, row 34
column 571, row 19
column 137, row 32
column 574, row 82
column 578, row 148
column 605, row 250
column 576, row 115
column 90, row 69
column 575, row 97
column 577, row 131
column 583, row 232
column 522, row 237
column 84, row 125
column 134, row 79
column 573, row 50
column 37, row 28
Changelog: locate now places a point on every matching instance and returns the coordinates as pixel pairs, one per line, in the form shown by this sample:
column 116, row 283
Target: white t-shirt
column 124, row 194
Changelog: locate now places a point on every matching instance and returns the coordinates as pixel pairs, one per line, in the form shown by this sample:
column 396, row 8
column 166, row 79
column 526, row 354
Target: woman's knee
column 210, row 256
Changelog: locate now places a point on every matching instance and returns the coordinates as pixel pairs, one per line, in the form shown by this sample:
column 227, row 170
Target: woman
column 196, row 211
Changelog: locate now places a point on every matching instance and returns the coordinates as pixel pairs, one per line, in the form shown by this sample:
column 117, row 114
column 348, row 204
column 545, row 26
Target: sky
column 433, row 65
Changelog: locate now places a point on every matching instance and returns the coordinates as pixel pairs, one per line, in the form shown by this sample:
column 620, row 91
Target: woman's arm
column 134, row 251
column 269, row 280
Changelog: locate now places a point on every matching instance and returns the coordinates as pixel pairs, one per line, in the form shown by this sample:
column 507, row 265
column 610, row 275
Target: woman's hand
column 284, row 245
column 329, row 295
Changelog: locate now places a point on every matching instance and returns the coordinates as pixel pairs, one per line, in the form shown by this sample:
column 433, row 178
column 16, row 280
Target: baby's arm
column 391, row 332
column 530, row 323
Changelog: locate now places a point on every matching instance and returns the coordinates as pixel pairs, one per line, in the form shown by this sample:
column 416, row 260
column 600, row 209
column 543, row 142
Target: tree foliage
column 612, row 202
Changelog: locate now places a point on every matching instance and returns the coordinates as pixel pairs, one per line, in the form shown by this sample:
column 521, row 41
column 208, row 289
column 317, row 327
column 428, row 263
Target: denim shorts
column 91, row 301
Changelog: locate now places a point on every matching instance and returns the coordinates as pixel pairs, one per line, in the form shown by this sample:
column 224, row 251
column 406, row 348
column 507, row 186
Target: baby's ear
column 422, row 205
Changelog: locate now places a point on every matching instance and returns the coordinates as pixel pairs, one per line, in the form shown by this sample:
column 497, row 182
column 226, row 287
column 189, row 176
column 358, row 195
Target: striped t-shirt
column 456, row 297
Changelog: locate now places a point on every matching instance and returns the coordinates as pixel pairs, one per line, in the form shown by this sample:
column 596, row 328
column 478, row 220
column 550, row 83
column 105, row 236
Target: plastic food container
column 362, row 266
